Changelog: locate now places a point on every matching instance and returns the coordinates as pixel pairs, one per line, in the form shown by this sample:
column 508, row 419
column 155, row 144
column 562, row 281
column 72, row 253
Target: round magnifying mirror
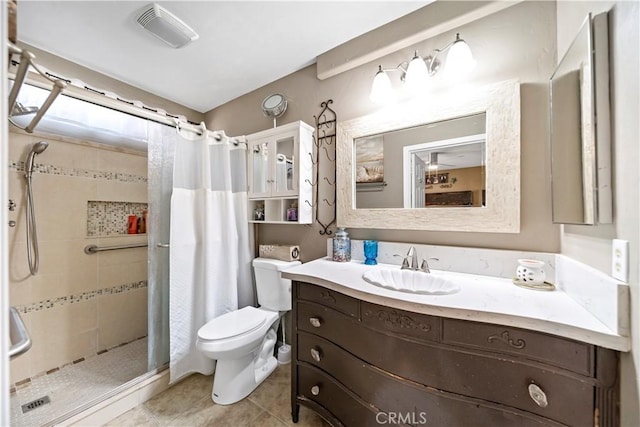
column 274, row 105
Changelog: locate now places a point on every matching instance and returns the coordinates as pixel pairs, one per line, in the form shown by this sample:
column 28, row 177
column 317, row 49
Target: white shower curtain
column 210, row 257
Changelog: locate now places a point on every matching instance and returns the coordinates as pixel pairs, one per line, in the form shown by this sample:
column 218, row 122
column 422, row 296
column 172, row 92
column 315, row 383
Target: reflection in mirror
column 259, row 159
column 572, row 139
column 580, row 152
column 445, row 173
column 284, row 165
column 433, row 165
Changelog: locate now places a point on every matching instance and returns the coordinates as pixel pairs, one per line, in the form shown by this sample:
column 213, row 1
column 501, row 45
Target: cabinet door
column 284, row 151
column 259, row 170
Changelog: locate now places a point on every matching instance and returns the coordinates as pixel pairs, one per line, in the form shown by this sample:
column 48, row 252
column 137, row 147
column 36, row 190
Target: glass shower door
column 161, row 150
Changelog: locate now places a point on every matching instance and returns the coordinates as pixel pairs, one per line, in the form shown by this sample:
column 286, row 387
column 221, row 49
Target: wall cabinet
column 361, row 364
column 280, row 174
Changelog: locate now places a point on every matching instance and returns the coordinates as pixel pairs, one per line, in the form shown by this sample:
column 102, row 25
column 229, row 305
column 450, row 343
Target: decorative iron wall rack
column 325, row 178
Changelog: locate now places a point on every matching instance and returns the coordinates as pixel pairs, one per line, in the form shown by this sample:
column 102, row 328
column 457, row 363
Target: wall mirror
column 481, row 124
column 580, row 150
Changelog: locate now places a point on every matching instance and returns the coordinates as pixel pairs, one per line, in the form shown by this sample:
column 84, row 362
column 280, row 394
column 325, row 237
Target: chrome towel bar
column 92, row 249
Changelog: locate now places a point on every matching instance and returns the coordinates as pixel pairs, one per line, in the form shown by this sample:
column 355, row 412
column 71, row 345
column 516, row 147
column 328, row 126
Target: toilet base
column 235, row 379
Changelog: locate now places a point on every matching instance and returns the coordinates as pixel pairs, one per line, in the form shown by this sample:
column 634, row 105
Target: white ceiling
column 242, row 46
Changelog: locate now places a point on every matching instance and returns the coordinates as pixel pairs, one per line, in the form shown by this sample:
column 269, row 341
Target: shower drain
column 35, row 404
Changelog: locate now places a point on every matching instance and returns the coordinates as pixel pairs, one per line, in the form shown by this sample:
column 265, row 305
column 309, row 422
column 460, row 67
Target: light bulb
column 460, row 61
column 381, row 90
column 417, row 77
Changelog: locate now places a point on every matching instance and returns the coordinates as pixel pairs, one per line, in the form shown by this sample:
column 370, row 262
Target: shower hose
column 32, row 235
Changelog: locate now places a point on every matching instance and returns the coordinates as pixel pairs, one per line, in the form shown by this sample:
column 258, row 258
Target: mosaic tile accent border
column 110, row 218
column 81, row 297
column 82, row 173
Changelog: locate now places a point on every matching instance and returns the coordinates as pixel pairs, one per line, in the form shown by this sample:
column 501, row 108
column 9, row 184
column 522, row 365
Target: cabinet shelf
column 278, row 211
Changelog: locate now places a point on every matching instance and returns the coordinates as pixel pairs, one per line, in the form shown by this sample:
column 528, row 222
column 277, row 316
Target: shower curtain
column 210, row 257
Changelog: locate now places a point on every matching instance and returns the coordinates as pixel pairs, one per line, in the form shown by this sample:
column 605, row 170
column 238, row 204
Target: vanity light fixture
column 417, row 73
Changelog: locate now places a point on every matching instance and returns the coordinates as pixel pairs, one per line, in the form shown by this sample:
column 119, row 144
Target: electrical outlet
column 620, row 260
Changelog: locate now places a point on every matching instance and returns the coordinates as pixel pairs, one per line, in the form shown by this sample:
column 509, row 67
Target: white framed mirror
column 498, row 104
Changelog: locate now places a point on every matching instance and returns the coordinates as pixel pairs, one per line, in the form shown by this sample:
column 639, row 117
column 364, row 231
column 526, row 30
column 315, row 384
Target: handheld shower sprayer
column 32, row 236
column 37, row 148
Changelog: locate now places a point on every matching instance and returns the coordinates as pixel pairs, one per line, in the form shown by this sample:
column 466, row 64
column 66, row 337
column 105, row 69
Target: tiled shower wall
column 77, row 305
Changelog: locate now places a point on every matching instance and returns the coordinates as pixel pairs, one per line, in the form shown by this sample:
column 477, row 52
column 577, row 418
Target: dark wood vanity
column 360, row 364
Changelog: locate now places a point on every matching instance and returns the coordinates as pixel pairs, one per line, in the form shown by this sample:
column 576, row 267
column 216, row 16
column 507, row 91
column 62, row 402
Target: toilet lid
column 232, row 324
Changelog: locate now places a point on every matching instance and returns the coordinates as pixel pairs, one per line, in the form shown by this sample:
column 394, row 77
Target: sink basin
column 414, row 282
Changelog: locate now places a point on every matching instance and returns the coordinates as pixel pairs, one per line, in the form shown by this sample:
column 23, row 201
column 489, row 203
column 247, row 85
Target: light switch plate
column 620, row 260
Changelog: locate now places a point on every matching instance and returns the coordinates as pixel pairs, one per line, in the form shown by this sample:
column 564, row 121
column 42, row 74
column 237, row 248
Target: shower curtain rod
column 28, row 59
column 218, row 135
column 44, row 78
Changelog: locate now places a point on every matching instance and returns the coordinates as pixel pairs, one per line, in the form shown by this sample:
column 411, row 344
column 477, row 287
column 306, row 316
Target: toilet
column 242, row 341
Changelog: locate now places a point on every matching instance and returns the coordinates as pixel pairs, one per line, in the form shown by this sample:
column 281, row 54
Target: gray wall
column 518, row 42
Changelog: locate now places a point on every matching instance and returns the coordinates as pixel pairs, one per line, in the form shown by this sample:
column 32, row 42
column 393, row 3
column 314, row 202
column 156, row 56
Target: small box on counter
column 281, row 252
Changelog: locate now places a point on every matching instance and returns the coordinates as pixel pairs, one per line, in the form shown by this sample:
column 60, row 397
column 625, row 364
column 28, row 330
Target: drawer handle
column 315, row 354
column 315, row 390
column 538, row 396
column 315, row 322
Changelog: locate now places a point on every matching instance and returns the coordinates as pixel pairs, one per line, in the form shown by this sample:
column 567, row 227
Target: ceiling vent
column 166, row 26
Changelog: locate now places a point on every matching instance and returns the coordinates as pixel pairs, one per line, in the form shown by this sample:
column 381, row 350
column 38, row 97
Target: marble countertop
column 482, row 299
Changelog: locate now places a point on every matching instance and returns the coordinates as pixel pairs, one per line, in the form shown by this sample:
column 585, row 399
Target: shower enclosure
column 98, row 321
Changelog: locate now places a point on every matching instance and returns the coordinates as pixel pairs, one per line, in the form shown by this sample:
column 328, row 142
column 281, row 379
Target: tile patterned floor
column 78, row 384
column 189, row 404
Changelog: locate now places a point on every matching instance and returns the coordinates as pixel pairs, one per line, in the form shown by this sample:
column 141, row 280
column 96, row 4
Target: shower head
column 21, row 110
column 37, row 148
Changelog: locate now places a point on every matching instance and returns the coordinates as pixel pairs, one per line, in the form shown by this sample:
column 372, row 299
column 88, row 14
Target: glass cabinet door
column 259, row 155
column 284, row 176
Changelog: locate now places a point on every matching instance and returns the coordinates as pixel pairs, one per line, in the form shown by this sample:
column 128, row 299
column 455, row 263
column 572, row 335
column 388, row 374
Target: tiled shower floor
column 75, row 385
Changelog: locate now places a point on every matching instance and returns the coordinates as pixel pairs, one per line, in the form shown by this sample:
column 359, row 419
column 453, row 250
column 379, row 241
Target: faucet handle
column 405, row 262
column 425, row 264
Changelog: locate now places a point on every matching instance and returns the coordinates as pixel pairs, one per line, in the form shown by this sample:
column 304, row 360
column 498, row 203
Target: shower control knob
column 315, row 390
column 315, row 322
column 12, row 205
column 12, row 223
column 315, row 354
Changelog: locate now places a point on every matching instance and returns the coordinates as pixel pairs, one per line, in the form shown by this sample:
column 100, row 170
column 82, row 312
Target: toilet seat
column 233, row 324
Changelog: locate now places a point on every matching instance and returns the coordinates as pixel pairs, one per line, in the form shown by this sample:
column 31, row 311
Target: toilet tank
column 274, row 292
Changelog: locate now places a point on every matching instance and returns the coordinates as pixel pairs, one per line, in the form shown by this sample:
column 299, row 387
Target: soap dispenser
column 342, row 246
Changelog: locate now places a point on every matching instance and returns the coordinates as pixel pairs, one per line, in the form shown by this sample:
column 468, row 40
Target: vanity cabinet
column 360, row 364
column 279, row 173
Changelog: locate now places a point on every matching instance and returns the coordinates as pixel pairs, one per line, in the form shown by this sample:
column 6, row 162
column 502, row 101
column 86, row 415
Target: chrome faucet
column 413, row 266
column 414, row 258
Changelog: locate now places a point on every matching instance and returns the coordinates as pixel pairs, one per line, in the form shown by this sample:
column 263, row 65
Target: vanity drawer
column 415, row 402
column 327, row 297
column 565, row 353
column 415, row 325
column 316, row 386
column 482, row 375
